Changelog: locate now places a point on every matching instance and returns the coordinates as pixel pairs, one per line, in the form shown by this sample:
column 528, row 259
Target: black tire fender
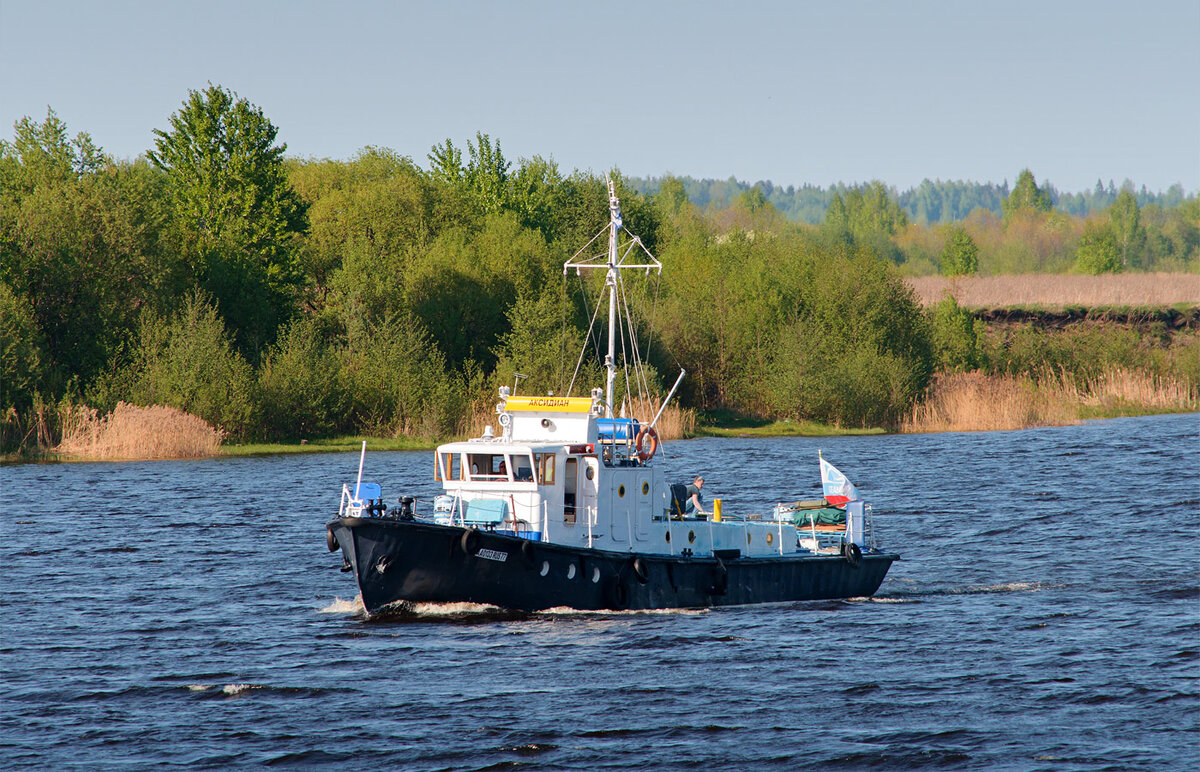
column 616, row 593
column 720, row 583
column 853, row 554
column 641, row 571
column 529, row 555
column 720, row 578
column 330, row 540
column 470, row 541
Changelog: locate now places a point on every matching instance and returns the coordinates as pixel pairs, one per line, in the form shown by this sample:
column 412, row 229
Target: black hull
column 395, row 560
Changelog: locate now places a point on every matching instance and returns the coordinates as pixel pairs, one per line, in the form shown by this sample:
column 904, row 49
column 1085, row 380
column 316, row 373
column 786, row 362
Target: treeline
column 283, row 299
column 930, row 203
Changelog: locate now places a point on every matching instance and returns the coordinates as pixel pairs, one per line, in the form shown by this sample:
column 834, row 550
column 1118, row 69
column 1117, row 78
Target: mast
column 610, row 361
column 613, row 262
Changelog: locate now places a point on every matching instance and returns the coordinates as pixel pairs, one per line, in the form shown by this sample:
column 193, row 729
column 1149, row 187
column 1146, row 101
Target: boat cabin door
column 586, row 490
column 570, row 487
column 631, row 506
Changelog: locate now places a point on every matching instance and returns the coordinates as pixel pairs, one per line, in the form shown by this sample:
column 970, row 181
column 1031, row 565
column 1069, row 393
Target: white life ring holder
column 646, row 450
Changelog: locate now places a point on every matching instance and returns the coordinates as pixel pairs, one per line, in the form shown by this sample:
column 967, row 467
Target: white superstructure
column 561, row 473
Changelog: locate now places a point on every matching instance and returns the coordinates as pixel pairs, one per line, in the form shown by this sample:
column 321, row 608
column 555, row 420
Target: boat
column 566, row 507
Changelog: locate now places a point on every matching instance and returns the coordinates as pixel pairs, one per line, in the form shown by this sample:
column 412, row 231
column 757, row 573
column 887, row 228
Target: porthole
column 571, row 571
column 590, row 473
column 691, row 537
column 595, row 575
column 645, row 489
column 545, row 567
column 621, row 491
column 770, row 538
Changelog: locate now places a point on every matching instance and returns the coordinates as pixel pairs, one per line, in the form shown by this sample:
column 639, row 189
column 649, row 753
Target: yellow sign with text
column 548, row 404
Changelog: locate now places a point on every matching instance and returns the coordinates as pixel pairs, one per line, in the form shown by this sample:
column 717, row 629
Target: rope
column 583, row 349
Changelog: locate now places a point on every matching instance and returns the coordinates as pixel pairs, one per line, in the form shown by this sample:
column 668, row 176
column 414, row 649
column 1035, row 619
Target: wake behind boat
column 567, row 508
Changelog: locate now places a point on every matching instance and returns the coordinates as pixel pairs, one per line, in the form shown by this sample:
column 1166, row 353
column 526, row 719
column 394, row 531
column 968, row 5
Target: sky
column 793, row 92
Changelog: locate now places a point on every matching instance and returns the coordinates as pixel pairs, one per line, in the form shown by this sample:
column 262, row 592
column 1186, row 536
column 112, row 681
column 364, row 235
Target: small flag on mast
column 837, row 489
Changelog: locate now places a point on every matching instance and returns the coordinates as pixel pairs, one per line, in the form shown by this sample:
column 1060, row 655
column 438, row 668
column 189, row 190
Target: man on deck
column 687, row 499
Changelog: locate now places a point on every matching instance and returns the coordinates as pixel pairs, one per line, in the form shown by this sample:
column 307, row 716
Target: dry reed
column 133, row 432
column 1059, row 291
column 675, row 422
column 1134, row 387
column 972, row 402
column 975, row 402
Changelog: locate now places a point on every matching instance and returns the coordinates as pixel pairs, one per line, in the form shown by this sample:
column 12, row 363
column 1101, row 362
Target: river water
column 1045, row 615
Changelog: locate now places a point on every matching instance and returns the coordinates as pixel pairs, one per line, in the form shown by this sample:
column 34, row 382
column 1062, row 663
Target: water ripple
column 1044, row 616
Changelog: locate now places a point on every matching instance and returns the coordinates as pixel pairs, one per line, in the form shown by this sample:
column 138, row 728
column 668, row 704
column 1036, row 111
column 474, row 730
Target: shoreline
column 777, row 429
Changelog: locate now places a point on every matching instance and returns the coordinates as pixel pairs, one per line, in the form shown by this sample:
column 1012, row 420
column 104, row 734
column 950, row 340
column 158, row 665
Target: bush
column 189, row 363
column 858, row 353
column 396, row 380
column 1086, row 352
column 300, row 386
column 954, row 335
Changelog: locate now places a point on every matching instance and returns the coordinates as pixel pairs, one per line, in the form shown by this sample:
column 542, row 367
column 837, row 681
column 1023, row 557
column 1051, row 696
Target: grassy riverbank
column 327, row 445
column 728, row 424
column 970, row 416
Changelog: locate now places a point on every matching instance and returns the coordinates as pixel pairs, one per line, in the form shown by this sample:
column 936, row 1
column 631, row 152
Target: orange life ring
column 646, row 453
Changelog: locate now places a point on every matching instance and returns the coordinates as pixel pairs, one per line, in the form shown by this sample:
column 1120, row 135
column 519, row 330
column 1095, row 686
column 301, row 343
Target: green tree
column 237, row 212
column 672, row 197
column 955, row 336
column 446, row 164
column 20, row 351
column 535, row 188
column 961, row 255
column 487, row 174
column 1098, row 250
column 1172, row 236
column 1125, row 217
column 752, row 200
column 43, row 154
column 78, row 241
column 369, row 228
column 484, row 178
column 866, row 216
column 837, row 219
column 1026, row 196
column 462, row 286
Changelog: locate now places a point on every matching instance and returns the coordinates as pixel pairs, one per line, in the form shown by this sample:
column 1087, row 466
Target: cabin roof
column 502, row 446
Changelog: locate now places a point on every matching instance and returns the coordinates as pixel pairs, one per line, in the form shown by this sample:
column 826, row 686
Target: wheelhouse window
column 544, row 462
column 501, row 467
column 522, row 467
column 488, row 467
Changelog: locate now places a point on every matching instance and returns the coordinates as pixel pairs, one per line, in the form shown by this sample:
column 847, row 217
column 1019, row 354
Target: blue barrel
column 617, row 429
